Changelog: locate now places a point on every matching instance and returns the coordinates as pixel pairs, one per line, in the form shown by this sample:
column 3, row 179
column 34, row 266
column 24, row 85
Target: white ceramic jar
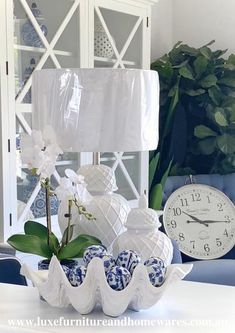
column 142, row 235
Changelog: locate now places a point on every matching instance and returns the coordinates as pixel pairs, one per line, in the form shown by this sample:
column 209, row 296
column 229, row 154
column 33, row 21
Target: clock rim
column 211, row 188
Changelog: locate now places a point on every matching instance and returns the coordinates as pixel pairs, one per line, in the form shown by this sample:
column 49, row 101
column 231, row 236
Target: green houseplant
column 197, row 115
column 39, row 152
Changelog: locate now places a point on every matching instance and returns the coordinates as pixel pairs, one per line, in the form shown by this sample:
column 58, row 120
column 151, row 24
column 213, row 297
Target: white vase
column 109, row 209
column 143, row 236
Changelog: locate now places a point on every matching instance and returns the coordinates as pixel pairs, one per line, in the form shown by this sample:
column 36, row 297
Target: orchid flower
column 40, row 151
column 80, row 192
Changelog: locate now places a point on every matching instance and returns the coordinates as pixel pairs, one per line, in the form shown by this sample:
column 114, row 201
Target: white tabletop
column 185, row 307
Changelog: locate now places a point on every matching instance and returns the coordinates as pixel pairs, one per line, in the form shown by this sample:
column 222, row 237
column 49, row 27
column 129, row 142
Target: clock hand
column 192, row 217
column 201, row 222
column 214, row 221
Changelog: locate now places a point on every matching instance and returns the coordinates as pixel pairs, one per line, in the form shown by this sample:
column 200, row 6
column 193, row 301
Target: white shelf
column 113, row 61
column 40, row 50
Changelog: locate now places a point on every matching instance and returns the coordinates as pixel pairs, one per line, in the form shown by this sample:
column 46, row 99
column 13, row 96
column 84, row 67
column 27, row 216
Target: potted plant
column 39, row 152
column 197, row 115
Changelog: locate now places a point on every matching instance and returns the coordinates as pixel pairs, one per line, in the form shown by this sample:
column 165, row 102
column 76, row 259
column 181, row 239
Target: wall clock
column 202, row 221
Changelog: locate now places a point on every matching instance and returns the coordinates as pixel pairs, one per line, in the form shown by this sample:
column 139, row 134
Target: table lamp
column 99, row 110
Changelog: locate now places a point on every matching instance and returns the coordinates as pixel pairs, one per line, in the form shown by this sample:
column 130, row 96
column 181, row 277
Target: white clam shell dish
column 54, row 287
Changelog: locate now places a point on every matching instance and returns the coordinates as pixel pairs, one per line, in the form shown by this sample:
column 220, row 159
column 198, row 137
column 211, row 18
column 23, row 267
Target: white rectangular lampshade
column 98, row 110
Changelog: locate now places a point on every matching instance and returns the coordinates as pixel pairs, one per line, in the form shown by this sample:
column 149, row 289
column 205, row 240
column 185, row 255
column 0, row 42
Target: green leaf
column 76, row 247
column 186, row 73
column 231, row 59
column 208, row 81
column 226, row 143
column 156, row 196
column 228, row 81
column 220, row 119
column 200, row 65
column 206, row 52
column 210, row 43
column 30, row 244
column 152, row 167
column 202, row 131
column 164, row 69
column 207, row 146
column 196, row 92
column 181, row 65
column 37, row 229
column 166, row 174
column 170, row 114
column 215, row 94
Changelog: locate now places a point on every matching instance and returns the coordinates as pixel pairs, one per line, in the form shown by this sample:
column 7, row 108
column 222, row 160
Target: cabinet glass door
column 46, row 35
column 119, row 32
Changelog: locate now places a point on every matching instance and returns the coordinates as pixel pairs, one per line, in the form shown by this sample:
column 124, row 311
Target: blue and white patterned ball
column 128, row 259
column 77, row 275
column 157, row 261
column 156, row 270
column 108, row 260
column 118, row 278
column 92, row 252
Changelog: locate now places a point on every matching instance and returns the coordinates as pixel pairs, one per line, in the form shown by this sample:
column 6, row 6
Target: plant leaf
column 215, row 94
column 196, row 92
column 207, row 146
column 231, row 59
column 152, row 167
column 200, row 65
column 41, row 231
column 208, row 81
column 220, row 119
column 186, row 73
column 156, row 196
column 202, row 131
column 76, row 247
column 228, row 81
column 30, row 244
column 226, row 143
column 206, row 52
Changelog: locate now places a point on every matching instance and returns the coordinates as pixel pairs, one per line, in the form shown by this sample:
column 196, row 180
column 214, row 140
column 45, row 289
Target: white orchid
column 81, row 195
column 65, row 190
column 40, row 151
column 73, row 190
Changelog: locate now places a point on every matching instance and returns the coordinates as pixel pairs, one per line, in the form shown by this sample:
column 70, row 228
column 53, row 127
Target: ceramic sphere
column 128, row 259
column 118, row 278
column 92, row 252
column 77, row 275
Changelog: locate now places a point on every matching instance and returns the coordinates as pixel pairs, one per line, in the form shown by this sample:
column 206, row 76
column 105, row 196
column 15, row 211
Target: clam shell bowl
column 55, row 288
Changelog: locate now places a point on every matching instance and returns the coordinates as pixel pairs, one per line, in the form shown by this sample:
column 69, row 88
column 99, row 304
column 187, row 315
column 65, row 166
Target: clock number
column 227, row 218
column 220, row 207
column 173, row 224
column 184, row 202
column 196, row 197
column 181, row 237
column 176, row 211
column 207, row 248
column 208, row 199
column 225, row 233
column 218, row 242
column 193, row 244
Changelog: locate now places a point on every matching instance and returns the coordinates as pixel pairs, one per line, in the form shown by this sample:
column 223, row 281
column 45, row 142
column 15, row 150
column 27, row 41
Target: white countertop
column 185, row 307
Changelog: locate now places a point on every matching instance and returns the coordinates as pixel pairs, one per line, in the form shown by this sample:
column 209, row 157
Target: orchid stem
column 48, row 209
column 70, row 202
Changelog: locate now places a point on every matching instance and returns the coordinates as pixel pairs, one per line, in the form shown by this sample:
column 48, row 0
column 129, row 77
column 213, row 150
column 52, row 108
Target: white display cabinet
column 63, row 33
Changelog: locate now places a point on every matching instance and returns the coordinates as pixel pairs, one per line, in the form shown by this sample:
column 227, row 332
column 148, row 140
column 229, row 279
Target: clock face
column 202, row 221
